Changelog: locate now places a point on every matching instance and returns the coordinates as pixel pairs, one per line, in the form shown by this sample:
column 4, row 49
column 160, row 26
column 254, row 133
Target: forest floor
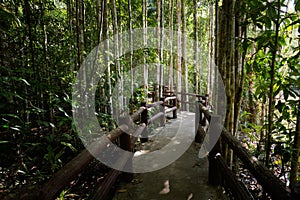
column 186, row 178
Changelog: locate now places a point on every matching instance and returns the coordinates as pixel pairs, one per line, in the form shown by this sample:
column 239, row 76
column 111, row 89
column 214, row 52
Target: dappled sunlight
column 141, row 152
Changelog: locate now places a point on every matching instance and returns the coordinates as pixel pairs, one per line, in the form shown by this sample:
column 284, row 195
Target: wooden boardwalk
column 186, row 178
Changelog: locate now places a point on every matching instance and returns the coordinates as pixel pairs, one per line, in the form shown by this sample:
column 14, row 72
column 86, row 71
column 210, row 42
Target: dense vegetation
column 254, row 43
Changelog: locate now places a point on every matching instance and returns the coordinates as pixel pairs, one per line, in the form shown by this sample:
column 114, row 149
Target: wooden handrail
column 170, row 109
column 270, row 183
column 135, row 115
column 155, row 117
column 64, row 176
column 155, row 104
column 238, row 189
column 264, row 176
column 170, row 98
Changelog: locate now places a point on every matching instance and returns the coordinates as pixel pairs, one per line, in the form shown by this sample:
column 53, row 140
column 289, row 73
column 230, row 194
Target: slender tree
column 271, row 87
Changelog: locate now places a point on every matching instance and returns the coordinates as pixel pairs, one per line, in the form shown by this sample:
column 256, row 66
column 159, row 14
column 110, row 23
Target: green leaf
column 297, row 5
column 271, row 12
column 69, row 145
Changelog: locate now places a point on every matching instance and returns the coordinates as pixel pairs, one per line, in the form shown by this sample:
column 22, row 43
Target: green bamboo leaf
column 271, row 12
column 297, row 5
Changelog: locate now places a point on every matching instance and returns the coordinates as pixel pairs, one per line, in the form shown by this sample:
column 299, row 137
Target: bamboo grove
column 253, row 43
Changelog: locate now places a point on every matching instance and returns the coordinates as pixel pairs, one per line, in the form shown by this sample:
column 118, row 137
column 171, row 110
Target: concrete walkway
column 186, row 178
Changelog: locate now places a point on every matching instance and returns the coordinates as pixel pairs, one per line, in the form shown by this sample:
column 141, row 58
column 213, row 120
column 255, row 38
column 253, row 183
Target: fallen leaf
column 190, row 196
column 121, row 190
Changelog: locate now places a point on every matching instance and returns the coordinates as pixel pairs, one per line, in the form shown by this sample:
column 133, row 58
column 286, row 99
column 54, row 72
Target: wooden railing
column 63, row 177
column 219, row 172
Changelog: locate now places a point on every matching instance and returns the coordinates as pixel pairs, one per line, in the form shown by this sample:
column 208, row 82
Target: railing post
column 125, row 144
column 197, row 117
column 164, row 91
column 144, row 119
column 125, row 140
column 156, row 92
column 214, row 173
column 182, row 102
column 201, row 115
column 162, row 109
column 175, row 111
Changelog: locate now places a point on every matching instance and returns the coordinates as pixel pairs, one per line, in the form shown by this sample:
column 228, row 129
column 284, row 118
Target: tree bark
column 195, row 18
column 295, row 152
column 271, row 94
column 178, row 58
column 184, row 66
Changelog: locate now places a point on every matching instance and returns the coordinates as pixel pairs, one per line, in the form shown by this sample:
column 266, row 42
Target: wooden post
column 125, row 144
column 214, row 173
column 199, row 131
column 144, row 119
column 182, row 102
column 175, row 111
column 156, row 92
column 153, row 94
column 162, row 109
column 197, row 118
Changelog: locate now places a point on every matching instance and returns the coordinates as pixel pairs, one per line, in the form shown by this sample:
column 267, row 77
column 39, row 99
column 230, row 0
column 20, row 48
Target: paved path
column 186, row 178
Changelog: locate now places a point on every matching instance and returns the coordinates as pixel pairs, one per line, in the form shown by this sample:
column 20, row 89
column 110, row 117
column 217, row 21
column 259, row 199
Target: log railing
column 63, row 177
column 219, row 172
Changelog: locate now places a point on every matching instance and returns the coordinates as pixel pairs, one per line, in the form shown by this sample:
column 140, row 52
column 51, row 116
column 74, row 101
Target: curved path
column 186, row 178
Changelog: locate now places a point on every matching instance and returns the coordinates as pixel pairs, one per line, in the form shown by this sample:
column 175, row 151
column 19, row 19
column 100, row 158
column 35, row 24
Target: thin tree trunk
column 117, row 61
column 131, row 48
column 271, row 94
column 171, row 64
column 295, row 152
column 158, row 68
column 162, row 19
column 79, row 33
column 71, row 48
column 178, row 58
column 145, row 44
column 196, row 64
column 184, row 67
column 211, row 66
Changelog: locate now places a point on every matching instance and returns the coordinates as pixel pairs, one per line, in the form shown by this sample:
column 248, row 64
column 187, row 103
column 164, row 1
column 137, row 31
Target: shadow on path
column 186, row 178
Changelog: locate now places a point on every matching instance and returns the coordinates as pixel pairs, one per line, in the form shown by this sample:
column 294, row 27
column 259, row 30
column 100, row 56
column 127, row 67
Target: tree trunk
column 184, row 67
column 195, row 12
column 131, row 48
column 271, row 94
column 211, row 50
column 145, row 44
column 171, row 64
column 178, row 59
column 295, row 152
